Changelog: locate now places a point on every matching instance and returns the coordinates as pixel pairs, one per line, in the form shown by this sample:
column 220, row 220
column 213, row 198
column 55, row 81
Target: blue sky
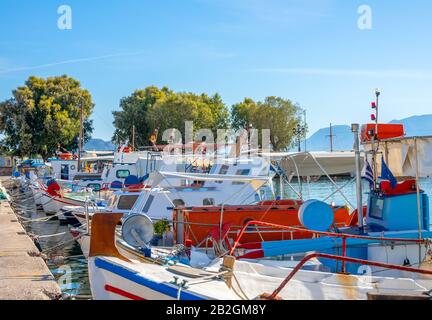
column 311, row 52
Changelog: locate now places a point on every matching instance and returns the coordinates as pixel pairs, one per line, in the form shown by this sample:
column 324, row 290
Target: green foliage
column 134, row 112
column 274, row 113
column 160, row 226
column 43, row 114
column 153, row 108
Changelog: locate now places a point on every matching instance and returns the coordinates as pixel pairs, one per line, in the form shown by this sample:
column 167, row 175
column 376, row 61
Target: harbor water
column 69, row 266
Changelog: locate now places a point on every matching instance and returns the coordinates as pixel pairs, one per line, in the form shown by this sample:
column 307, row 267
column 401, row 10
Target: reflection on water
column 71, row 272
column 68, row 265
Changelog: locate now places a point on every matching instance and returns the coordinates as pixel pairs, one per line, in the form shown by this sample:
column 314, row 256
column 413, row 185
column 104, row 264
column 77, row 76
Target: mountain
column 343, row 138
column 99, row 145
column 417, row 125
column 320, row 140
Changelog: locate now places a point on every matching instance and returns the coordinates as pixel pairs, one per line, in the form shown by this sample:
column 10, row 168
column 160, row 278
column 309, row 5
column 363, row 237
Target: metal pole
column 377, row 94
column 133, row 137
column 418, row 198
column 305, row 140
column 331, row 138
column 80, row 138
column 355, row 130
column 281, row 186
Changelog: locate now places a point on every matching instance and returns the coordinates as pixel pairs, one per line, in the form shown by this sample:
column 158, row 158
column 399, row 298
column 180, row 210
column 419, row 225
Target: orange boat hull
column 200, row 223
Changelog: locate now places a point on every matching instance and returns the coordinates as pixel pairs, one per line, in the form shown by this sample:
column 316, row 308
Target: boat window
column 94, row 186
column 223, row 170
column 121, row 174
column 126, row 202
column 148, row 204
column 241, row 172
column 64, row 172
column 208, row 202
column 107, row 173
column 180, row 167
column 178, row 203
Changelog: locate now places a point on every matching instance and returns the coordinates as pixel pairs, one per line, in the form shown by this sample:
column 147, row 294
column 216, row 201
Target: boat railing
column 344, row 260
column 89, row 203
column 343, row 236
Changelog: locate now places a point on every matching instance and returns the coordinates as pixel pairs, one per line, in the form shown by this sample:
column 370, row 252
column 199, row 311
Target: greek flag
column 369, row 176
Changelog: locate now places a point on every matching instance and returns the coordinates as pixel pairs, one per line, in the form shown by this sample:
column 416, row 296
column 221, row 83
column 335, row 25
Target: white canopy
column 256, row 181
column 402, row 154
column 316, row 163
column 98, row 158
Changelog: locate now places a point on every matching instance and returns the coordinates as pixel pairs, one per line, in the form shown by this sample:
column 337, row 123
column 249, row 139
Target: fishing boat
column 386, row 254
column 54, row 197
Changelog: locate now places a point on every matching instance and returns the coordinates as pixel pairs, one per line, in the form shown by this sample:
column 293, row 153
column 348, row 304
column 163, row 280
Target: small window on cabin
column 241, row 172
column 94, row 186
column 126, row 202
column 178, row 203
column 208, row 202
column 223, row 170
column 122, row 174
column 107, row 173
column 148, row 204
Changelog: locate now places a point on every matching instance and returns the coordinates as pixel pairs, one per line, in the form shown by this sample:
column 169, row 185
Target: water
column 68, row 265
column 72, row 275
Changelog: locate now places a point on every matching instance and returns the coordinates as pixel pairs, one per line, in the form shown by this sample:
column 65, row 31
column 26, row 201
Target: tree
column 153, row 108
column 43, row 114
column 133, row 112
column 206, row 112
column 277, row 114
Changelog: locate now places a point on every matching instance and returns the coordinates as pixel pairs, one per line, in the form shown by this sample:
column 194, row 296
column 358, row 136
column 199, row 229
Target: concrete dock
column 23, row 273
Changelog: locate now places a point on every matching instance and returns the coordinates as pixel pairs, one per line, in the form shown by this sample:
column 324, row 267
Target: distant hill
column 99, row 145
column 417, row 125
column 320, row 140
column 343, row 139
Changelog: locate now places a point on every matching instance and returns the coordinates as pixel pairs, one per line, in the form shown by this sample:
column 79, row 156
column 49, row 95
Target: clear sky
column 311, row 52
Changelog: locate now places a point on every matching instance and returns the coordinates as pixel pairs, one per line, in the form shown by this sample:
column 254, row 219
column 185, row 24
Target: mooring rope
column 61, row 244
column 42, row 219
column 37, row 236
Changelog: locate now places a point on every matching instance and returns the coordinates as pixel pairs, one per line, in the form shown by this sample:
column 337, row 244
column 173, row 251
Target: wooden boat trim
column 102, row 240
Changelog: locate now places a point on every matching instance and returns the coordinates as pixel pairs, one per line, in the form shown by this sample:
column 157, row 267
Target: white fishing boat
column 387, row 254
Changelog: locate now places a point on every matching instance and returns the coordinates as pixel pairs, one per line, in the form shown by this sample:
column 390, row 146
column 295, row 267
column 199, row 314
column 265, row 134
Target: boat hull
column 53, row 204
column 115, row 279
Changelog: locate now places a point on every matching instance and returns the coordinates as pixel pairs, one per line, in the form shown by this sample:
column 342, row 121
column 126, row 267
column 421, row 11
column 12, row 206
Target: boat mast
column 359, row 191
column 80, row 144
column 375, row 137
column 133, row 137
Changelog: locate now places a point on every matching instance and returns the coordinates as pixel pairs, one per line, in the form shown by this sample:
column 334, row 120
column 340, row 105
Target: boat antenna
column 81, row 137
column 375, row 136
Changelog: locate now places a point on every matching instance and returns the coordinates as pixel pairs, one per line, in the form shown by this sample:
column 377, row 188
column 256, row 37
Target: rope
column 61, row 244
column 43, row 219
column 48, row 235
